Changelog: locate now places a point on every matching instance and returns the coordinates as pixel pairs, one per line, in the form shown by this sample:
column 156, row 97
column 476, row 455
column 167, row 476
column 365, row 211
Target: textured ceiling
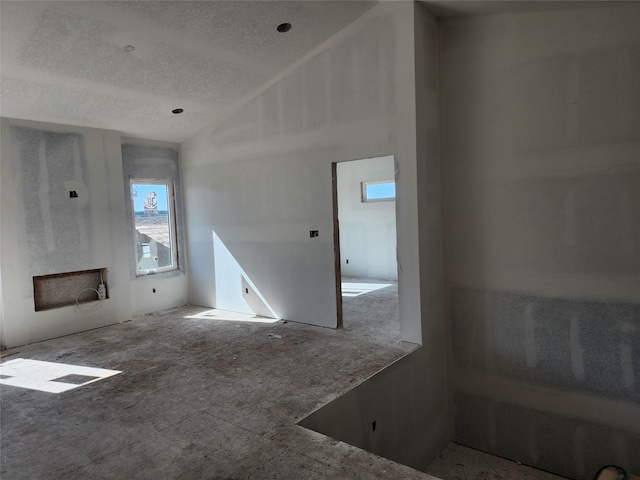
column 64, row 62
column 467, row 8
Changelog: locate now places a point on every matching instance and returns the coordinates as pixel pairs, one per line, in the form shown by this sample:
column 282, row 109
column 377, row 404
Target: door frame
column 336, row 243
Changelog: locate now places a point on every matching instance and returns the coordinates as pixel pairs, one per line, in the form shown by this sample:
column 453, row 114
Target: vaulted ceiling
column 65, row 62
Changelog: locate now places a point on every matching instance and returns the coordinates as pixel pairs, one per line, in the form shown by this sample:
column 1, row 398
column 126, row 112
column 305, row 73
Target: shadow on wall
column 234, row 290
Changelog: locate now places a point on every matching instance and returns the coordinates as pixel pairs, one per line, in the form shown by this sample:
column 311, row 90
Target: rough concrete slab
column 536, row 437
column 196, row 399
column 457, row 462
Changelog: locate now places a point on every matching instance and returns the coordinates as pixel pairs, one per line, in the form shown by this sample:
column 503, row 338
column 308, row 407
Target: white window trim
column 363, row 192
column 171, row 211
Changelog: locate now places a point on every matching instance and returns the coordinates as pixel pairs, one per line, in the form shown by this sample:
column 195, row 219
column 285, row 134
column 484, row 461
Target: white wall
column 154, row 160
column 236, row 293
column 367, row 229
column 46, row 232
column 542, row 234
column 2, row 341
column 261, row 179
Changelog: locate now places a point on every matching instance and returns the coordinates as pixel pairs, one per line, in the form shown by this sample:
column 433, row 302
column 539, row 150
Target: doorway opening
column 364, row 217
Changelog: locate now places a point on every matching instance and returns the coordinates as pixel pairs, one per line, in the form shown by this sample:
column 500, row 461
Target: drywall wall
column 146, row 159
column 408, row 400
column 236, row 293
column 261, row 180
column 45, row 231
column 433, row 372
column 367, row 229
column 2, row 342
column 541, row 189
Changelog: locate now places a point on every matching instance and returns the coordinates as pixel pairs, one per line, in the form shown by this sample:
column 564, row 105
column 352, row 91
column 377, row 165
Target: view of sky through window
column 154, row 239
column 140, row 192
column 379, row 191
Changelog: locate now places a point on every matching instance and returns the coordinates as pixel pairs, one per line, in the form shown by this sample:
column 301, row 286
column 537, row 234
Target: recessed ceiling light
column 128, row 48
column 177, row 110
column 284, row 27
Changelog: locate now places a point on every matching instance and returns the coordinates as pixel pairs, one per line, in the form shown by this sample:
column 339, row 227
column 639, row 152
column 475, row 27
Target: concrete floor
column 214, row 397
column 457, row 462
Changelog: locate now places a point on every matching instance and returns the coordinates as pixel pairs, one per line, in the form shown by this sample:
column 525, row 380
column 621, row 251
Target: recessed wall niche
column 69, row 288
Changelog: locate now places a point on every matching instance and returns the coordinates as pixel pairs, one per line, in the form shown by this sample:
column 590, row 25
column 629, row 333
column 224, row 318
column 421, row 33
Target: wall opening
column 70, row 288
column 365, row 240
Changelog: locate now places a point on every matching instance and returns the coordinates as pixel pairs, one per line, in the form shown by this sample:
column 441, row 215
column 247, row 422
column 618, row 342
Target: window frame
column 363, row 191
column 173, row 232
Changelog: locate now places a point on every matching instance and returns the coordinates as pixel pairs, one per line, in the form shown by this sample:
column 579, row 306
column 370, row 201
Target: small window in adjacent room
column 154, row 222
column 378, row 191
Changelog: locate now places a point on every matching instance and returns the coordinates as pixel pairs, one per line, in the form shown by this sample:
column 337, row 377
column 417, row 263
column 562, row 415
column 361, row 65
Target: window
column 378, row 191
column 154, row 223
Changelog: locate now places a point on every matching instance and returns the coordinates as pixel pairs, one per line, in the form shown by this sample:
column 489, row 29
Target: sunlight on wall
column 235, row 291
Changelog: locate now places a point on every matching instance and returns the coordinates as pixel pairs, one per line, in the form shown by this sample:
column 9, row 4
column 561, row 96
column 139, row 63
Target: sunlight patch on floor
column 49, row 377
column 355, row 289
column 222, row 315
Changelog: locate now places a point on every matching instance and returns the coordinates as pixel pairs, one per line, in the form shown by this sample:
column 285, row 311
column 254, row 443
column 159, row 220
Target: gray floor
column 457, row 462
column 215, row 397
column 198, row 398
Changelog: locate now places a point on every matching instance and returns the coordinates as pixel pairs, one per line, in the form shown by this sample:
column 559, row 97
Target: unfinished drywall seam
column 328, row 44
column 39, row 161
column 43, row 195
column 541, row 222
column 77, row 182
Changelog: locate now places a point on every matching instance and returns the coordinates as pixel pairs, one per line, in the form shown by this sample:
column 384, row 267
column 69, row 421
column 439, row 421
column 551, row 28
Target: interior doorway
column 364, row 217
